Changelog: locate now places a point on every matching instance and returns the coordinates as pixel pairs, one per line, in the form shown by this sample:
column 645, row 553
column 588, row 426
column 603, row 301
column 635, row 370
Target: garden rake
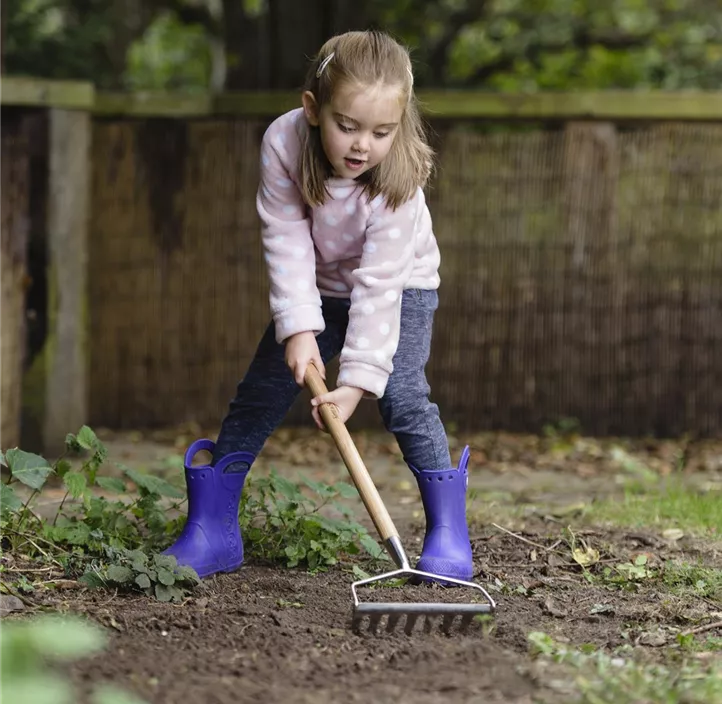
column 393, row 612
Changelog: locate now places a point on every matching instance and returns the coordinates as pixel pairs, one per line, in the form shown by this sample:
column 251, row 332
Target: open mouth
column 354, row 164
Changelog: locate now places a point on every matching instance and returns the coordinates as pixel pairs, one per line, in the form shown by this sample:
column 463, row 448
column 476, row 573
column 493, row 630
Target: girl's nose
column 362, row 143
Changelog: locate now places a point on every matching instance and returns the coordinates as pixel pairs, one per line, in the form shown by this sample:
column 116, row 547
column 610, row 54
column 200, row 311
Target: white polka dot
column 362, row 343
column 264, row 158
column 380, row 355
column 391, row 295
column 384, row 328
column 302, row 285
column 284, row 182
column 331, row 245
column 281, row 270
column 369, row 280
column 368, row 309
column 342, row 191
column 278, row 239
column 394, row 233
column 370, row 247
column 330, row 219
column 289, row 209
column 287, row 323
column 386, row 265
column 346, row 237
column 298, row 252
column 338, row 286
column 282, row 303
column 377, row 201
column 350, row 207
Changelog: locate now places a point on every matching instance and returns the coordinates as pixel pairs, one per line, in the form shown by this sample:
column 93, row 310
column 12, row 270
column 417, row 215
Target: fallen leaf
column 654, row 640
column 585, row 556
column 673, row 534
column 602, row 609
column 553, row 609
column 9, row 603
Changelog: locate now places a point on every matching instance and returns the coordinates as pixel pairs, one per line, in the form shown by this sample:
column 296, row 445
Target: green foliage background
column 504, row 45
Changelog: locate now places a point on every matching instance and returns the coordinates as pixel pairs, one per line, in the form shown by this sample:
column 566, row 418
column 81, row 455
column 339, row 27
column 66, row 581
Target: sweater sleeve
column 375, row 313
column 287, row 243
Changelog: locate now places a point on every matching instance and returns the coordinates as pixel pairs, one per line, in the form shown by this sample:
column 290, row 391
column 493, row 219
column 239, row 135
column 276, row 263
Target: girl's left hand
column 345, row 398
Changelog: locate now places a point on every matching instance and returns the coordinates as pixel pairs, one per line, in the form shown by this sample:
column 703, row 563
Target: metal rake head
column 388, row 616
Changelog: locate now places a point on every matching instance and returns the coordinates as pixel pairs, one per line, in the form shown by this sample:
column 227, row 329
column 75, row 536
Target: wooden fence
column 581, row 260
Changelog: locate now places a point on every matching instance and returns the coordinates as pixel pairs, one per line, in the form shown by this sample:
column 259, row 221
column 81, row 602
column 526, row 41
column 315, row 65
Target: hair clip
column 323, row 65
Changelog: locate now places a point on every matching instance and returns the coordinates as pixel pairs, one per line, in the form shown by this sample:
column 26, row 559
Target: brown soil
column 267, row 634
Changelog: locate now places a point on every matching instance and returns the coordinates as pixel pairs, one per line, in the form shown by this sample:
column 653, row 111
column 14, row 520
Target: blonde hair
column 367, row 59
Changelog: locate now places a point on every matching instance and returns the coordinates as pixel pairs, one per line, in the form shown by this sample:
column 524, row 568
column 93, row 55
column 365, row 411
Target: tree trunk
column 3, row 32
column 271, row 51
column 13, row 258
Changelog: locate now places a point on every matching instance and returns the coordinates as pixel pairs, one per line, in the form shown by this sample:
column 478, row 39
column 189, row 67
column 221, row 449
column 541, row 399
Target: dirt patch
column 277, row 635
column 274, row 635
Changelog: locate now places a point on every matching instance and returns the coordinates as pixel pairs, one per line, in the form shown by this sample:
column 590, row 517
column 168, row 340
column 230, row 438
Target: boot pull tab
column 195, row 448
column 464, row 459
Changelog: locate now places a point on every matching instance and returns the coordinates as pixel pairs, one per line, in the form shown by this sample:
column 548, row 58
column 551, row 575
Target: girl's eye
column 344, row 128
column 381, row 135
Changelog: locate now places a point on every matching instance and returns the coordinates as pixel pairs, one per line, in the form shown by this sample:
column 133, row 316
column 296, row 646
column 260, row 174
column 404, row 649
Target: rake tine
column 356, row 622
column 448, row 623
column 466, row 620
column 374, row 621
column 392, row 622
column 428, row 623
column 410, row 623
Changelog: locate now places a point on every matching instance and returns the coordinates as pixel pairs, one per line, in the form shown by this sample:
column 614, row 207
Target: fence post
column 13, row 261
column 66, row 386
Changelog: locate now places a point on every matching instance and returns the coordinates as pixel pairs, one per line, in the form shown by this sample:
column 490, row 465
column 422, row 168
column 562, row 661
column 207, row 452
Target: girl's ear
column 310, row 107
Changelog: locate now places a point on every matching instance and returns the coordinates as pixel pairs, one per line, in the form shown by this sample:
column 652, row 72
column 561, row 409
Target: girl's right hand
column 301, row 349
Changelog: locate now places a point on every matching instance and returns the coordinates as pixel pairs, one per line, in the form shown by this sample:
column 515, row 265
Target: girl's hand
column 345, row 398
column 301, row 349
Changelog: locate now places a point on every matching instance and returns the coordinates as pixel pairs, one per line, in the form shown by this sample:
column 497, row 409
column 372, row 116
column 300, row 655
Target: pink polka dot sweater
column 348, row 248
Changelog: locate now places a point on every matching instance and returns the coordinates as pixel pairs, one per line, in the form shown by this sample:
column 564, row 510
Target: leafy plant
column 30, row 648
column 604, row 678
column 154, row 575
column 91, row 522
column 281, row 523
column 87, row 525
column 113, row 541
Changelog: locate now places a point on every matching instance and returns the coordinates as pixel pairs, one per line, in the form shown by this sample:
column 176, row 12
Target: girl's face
column 357, row 127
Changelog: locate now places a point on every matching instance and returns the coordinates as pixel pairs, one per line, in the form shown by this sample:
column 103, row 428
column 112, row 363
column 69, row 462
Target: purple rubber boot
column 447, row 550
column 211, row 539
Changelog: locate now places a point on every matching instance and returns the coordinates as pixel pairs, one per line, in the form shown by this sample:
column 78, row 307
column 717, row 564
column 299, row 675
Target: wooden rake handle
column 356, row 468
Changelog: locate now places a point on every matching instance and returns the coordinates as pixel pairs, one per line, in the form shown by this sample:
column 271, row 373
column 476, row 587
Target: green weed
column 281, row 523
column 32, row 652
column 113, row 542
column 155, row 575
column 604, row 678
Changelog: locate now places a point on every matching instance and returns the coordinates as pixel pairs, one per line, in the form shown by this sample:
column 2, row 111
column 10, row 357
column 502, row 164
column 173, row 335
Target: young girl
column 353, row 265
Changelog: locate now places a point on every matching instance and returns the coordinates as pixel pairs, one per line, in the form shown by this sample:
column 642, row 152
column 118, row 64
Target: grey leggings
column 268, row 390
